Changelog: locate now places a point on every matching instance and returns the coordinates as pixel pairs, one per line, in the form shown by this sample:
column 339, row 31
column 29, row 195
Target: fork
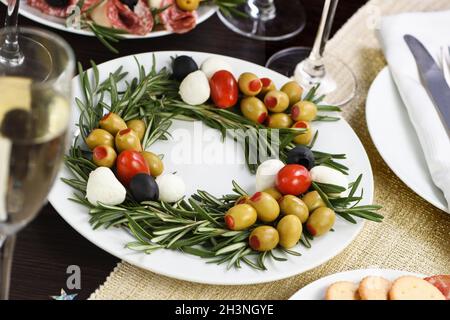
column 445, row 60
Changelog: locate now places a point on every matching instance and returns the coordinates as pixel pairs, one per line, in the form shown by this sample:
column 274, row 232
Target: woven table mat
column 415, row 236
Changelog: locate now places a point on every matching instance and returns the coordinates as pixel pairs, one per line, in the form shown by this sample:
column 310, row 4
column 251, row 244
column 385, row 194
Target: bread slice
column 342, row 290
column 413, row 288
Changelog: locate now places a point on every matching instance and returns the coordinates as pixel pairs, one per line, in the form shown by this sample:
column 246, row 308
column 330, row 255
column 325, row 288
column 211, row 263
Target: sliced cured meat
column 441, row 282
column 115, row 14
column 176, row 20
column 57, row 11
column 60, row 9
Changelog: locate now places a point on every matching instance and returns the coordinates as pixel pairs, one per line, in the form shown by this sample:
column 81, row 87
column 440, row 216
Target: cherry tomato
column 129, row 163
column 224, row 89
column 293, row 179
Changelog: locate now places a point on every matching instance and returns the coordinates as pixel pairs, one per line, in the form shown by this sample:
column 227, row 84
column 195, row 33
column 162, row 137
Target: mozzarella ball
column 155, row 4
column 103, row 186
column 194, row 89
column 214, row 64
column 324, row 174
column 266, row 174
column 171, row 188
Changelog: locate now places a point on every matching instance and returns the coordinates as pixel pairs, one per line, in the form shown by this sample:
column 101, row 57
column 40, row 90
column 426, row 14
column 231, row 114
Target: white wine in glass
column 34, row 115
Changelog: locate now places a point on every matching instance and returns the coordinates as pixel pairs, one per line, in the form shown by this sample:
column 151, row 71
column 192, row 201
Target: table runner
column 415, row 236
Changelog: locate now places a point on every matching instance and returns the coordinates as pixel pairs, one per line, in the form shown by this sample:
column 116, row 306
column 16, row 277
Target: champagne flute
column 268, row 20
column 310, row 67
column 34, row 115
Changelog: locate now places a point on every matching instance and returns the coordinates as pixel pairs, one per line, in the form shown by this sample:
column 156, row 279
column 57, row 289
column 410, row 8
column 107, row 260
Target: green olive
column 313, row 201
column 304, row 111
column 306, row 137
column 188, row 5
column 291, row 205
column 264, row 238
column 99, row 137
column 128, row 140
column 104, row 156
column 276, row 101
column 254, row 109
column 320, row 221
column 249, row 84
column 294, row 92
column 274, row 193
column 138, row 126
column 290, row 230
column 241, row 200
column 154, row 163
column 267, row 85
column 266, row 206
column 112, row 123
column 240, row 217
column 279, row 121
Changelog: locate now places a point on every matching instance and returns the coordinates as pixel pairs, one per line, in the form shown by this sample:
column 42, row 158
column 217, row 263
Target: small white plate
column 202, row 173
column 316, row 290
column 396, row 140
column 204, row 13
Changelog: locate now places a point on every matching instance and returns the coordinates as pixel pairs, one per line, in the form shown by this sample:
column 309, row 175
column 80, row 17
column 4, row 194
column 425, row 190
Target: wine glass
column 310, row 67
column 22, row 53
column 35, row 93
column 269, row 20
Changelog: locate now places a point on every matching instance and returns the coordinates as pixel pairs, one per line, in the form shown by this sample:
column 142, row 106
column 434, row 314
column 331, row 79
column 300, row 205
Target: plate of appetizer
column 117, row 19
column 211, row 169
column 385, row 109
column 377, row 284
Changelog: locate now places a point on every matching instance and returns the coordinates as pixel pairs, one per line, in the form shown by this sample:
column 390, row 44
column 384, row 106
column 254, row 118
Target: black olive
column 129, row 3
column 143, row 187
column 182, row 66
column 58, row 3
column 301, row 155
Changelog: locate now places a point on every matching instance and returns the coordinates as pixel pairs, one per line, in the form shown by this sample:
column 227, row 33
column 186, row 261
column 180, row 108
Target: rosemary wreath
column 195, row 225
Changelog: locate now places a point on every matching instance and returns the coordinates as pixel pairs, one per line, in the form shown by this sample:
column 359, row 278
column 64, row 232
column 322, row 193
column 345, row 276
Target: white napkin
column 433, row 30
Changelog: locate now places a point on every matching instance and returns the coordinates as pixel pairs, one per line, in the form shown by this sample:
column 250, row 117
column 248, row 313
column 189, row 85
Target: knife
column 432, row 78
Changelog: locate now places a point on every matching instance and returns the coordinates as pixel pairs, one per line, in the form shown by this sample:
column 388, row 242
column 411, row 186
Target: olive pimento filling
column 266, row 82
column 255, row 85
column 301, row 124
column 229, row 221
column 100, row 152
column 106, row 116
column 295, row 112
column 271, row 102
column 124, row 131
column 256, row 197
column 262, row 117
column 254, row 242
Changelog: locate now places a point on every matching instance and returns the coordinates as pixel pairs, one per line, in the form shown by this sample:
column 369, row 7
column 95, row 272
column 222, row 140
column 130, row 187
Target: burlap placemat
column 414, row 236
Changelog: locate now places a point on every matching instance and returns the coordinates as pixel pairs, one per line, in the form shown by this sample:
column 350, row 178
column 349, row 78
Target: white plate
column 316, row 290
column 204, row 12
column 334, row 137
column 396, row 140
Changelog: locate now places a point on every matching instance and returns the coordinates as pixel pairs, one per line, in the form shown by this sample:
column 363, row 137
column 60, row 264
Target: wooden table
column 49, row 245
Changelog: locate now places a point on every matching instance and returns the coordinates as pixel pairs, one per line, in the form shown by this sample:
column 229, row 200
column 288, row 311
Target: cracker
column 413, row 288
column 342, row 290
column 374, row 288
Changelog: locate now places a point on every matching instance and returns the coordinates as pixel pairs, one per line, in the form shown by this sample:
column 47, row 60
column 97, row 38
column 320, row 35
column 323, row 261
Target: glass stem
column 261, row 9
column 314, row 65
column 9, row 48
column 6, row 258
